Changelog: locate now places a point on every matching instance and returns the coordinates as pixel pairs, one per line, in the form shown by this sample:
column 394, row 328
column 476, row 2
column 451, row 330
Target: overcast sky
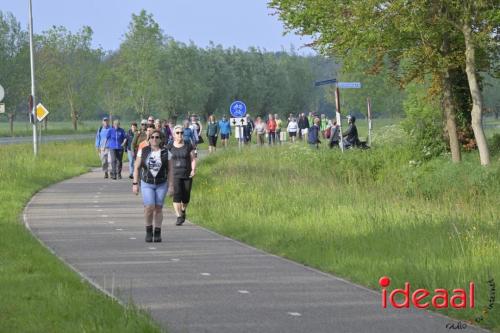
column 240, row 23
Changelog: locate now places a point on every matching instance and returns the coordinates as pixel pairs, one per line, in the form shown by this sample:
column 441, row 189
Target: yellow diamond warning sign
column 41, row 112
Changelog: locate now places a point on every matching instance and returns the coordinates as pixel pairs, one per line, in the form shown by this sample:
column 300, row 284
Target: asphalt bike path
column 197, row 280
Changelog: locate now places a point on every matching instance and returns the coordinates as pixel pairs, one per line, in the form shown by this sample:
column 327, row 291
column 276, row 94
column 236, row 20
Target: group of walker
column 310, row 128
column 162, row 158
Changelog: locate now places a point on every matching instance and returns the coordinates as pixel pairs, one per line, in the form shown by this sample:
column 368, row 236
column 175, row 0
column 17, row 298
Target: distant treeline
column 151, row 73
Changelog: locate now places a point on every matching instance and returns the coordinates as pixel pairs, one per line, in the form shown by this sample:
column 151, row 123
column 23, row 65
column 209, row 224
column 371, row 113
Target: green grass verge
column 362, row 214
column 53, row 128
column 38, row 292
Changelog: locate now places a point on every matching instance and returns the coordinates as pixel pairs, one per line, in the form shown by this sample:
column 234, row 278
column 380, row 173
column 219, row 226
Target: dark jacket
column 313, row 135
column 351, row 135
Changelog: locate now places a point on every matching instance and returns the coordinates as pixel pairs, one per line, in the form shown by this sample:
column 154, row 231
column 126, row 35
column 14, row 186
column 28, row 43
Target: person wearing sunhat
column 101, row 144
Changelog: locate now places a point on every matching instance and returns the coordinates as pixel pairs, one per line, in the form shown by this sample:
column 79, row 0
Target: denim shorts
column 153, row 195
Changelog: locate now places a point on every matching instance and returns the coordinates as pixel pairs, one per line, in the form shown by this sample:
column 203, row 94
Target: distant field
column 26, row 129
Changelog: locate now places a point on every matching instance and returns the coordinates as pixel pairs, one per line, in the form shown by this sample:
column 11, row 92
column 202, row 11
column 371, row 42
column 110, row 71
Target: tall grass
column 361, row 214
column 38, row 293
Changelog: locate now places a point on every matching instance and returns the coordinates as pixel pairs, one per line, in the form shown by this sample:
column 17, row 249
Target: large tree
column 418, row 38
column 14, row 65
column 139, row 64
column 67, row 71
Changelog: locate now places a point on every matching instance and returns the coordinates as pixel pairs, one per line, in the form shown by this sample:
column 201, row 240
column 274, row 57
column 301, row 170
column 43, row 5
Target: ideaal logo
column 460, row 297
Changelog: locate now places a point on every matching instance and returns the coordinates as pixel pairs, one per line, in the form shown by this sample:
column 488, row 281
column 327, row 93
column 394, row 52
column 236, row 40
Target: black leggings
column 182, row 189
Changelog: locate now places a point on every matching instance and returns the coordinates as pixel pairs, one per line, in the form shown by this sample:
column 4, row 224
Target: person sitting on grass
column 350, row 136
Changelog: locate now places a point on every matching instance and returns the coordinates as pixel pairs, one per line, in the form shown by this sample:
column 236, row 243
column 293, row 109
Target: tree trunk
column 450, row 112
column 74, row 116
column 11, row 123
column 477, row 97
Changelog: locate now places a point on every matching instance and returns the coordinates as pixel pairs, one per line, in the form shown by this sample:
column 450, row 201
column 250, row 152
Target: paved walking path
column 196, row 280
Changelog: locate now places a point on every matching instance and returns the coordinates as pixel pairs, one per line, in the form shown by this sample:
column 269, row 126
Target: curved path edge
column 198, row 280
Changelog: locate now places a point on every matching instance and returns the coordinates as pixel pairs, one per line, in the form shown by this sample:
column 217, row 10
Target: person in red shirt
column 271, row 129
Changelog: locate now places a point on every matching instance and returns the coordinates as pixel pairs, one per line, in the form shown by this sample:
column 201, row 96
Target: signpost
column 41, row 112
column 339, row 118
column 2, row 95
column 321, row 83
column 369, row 106
column 349, row 85
column 238, row 110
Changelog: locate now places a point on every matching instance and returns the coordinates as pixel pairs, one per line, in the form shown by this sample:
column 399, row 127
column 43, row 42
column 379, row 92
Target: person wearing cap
column 141, row 136
column 101, row 144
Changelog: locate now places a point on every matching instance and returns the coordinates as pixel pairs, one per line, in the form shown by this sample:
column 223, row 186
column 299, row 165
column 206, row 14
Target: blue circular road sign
column 238, row 109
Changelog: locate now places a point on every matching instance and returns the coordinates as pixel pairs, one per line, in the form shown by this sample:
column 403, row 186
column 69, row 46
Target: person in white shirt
column 292, row 129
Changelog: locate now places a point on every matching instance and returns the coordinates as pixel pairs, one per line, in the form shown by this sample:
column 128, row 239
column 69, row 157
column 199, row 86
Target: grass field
column 362, row 214
column 65, row 127
column 38, row 292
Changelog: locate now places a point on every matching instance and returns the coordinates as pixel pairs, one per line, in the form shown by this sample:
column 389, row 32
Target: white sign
column 2, row 93
column 2, row 108
column 240, row 121
column 349, row 85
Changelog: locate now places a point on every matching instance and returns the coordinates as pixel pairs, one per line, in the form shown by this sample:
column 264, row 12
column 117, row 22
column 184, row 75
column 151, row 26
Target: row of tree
column 441, row 41
column 151, row 73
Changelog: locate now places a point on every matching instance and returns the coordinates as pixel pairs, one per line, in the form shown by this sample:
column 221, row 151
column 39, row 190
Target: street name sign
column 320, row 83
column 349, row 85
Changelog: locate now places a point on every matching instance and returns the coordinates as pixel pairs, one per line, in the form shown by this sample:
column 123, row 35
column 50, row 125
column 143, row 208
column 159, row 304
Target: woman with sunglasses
column 183, row 161
column 153, row 162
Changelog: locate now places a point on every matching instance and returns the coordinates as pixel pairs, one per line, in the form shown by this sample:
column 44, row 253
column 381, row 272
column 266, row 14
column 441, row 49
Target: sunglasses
column 155, row 137
column 178, row 132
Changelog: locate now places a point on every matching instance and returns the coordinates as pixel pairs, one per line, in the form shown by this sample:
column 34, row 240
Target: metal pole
column 369, row 104
column 339, row 118
column 32, row 61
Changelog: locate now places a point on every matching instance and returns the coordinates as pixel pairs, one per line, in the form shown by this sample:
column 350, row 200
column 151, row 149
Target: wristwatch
column 135, row 183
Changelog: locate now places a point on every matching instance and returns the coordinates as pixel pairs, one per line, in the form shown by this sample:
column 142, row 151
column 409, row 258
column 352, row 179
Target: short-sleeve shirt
column 181, row 160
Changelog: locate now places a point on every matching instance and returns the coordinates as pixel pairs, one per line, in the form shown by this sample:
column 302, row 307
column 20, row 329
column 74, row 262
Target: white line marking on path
column 104, row 215
column 295, row 314
column 132, row 238
column 243, row 291
column 175, row 259
column 111, row 222
column 152, row 248
column 119, row 229
column 206, row 274
column 96, row 201
column 100, row 210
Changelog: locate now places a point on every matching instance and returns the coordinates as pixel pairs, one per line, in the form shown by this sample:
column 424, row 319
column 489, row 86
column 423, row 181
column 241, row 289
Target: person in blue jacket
column 116, row 141
column 101, row 144
column 224, row 130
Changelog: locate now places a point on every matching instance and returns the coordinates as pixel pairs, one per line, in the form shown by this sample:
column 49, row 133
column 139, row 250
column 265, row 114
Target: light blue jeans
column 153, row 195
column 130, row 162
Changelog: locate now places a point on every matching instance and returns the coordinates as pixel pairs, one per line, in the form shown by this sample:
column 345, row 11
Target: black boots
column 157, row 235
column 149, row 234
